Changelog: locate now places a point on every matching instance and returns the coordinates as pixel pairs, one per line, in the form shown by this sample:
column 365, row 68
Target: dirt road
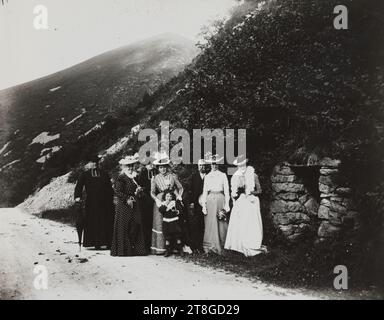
column 28, row 242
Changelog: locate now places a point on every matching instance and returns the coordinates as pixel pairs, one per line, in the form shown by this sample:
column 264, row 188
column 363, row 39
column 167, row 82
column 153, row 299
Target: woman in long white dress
column 245, row 229
column 215, row 199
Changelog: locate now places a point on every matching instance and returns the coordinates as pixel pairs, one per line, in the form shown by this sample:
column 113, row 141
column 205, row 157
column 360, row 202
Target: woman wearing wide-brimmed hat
column 163, row 181
column 215, row 203
column 245, row 230
column 128, row 237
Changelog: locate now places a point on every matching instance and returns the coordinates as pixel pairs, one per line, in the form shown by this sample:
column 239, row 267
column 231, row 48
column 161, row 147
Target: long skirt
column 215, row 230
column 128, row 237
column 158, row 242
column 245, row 230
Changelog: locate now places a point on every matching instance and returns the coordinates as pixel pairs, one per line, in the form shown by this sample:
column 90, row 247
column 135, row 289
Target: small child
column 170, row 209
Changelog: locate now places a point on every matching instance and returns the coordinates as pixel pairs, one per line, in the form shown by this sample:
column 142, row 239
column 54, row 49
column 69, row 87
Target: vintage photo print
column 211, row 151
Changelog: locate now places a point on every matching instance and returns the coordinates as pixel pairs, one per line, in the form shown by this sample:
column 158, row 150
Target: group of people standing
column 147, row 210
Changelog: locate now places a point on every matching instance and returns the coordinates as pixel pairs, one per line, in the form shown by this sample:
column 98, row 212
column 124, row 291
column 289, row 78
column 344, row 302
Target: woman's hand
column 130, row 203
column 139, row 190
column 171, row 205
column 205, row 210
column 226, row 208
column 252, row 198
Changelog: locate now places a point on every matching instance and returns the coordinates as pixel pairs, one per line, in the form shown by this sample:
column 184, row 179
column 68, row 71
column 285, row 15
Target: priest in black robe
column 196, row 185
column 99, row 207
column 145, row 176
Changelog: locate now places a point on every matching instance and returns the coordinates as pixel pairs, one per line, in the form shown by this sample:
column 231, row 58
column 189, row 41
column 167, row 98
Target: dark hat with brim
column 94, row 158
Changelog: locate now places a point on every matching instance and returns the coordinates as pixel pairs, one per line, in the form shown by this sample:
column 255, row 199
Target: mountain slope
column 61, row 107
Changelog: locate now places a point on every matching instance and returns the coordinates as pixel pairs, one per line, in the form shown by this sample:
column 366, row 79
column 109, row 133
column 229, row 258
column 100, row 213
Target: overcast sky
column 80, row 29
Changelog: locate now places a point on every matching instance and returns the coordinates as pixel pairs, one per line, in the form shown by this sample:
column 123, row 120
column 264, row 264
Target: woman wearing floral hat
column 165, row 180
column 215, row 203
column 245, row 230
column 128, row 238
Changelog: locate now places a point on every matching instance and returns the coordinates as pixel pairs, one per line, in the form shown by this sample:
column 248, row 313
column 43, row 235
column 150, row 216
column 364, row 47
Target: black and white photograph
column 204, row 152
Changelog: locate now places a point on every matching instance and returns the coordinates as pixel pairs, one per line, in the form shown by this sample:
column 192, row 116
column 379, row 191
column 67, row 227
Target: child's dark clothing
column 171, row 226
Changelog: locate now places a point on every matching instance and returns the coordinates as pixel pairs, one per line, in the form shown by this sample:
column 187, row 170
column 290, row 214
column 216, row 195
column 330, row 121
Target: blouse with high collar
column 245, row 178
column 163, row 182
column 216, row 181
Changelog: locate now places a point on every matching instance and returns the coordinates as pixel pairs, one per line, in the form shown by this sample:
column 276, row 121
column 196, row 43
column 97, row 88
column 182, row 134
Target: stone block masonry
column 297, row 209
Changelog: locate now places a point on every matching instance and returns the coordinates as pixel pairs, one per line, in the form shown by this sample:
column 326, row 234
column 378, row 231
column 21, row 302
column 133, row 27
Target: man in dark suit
column 99, row 209
column 146, row 174
column 197, row 216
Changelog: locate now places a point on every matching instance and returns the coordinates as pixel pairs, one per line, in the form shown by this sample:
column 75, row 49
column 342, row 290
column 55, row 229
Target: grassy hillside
column 73, row 101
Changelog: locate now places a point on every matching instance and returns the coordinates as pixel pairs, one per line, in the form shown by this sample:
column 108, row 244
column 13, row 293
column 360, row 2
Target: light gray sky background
column 81, row 29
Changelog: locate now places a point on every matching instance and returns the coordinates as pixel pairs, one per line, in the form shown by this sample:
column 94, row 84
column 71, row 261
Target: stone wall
column 296, row 210
column 337, row 209
column 291, row 206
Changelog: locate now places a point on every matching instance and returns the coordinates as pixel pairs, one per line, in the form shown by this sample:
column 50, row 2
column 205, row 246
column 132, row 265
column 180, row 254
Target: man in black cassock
column 197, row 216
column 99, row 208
column 146, row 174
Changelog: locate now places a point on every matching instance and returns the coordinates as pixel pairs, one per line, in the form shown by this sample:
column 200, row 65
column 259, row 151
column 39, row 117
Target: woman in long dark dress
column 128, row 237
